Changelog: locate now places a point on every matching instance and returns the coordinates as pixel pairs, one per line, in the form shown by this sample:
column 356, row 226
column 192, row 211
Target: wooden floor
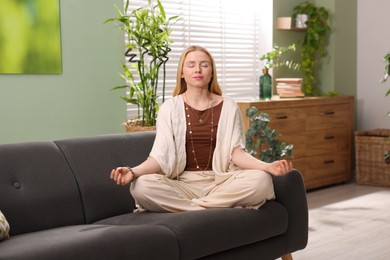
column 348, row 221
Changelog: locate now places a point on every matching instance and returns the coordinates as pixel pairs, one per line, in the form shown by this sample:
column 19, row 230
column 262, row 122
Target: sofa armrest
column 290, row 191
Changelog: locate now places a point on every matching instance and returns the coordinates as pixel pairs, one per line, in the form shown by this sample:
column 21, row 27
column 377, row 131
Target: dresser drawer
column 326, row 141
column 325, row 169
column 313, row 143
column 287, row 120
column 324, row 117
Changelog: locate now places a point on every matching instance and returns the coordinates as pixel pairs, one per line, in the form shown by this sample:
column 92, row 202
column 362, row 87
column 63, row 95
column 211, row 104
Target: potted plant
column 386, row 59
column 262, row 141
column 271, row 60
column 314, row 43
column 147, row 48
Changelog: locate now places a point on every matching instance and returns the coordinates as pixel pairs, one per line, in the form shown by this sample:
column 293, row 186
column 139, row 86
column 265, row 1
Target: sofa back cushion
column 37, row 189
column 93, row 158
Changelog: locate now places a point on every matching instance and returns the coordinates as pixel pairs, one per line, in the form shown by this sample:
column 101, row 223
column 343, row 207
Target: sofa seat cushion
column 93, row 242
column 205, row 232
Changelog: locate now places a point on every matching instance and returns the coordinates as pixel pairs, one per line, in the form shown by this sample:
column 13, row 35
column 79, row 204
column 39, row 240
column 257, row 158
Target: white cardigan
column 169, row 145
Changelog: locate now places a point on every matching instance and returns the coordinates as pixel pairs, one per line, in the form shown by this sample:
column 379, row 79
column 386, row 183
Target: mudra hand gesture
column 279, row 168
column 122, row 175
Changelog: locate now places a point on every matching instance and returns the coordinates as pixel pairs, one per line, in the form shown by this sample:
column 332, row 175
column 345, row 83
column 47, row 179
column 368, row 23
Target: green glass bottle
column 265, row 85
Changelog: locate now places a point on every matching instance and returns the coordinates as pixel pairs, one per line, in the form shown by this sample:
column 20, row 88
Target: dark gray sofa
column 61, row 204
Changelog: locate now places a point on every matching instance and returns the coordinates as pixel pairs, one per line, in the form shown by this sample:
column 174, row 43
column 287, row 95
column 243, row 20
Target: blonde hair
column 181, row 85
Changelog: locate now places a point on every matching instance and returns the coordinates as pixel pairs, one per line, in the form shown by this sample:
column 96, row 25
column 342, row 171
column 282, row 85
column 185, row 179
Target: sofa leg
column 287, row 257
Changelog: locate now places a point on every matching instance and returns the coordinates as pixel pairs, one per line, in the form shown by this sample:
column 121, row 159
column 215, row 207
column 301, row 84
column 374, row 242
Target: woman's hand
column 124, row 175
column 246, row 161
column 121, row 175
column 279, row 168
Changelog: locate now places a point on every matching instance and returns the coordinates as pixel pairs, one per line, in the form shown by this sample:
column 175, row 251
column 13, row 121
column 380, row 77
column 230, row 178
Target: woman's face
column 197, row 69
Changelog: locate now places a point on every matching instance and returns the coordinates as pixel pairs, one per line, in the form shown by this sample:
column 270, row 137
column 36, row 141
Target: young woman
column 198, row 159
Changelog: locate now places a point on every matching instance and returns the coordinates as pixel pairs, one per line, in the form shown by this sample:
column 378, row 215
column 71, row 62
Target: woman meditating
column 198, row 159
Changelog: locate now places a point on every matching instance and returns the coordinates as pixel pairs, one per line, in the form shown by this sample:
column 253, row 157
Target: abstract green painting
column 30, row 37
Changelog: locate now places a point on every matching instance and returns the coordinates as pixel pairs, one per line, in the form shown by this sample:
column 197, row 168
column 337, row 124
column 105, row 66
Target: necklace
column 200, row 118
column 187, row 107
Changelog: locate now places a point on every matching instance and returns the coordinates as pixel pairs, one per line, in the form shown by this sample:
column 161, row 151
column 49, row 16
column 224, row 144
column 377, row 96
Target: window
column 235, row 34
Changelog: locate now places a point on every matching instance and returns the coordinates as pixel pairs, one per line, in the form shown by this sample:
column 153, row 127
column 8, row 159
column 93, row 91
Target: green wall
column 345, row 66
column 79, row 102
column 339, row 69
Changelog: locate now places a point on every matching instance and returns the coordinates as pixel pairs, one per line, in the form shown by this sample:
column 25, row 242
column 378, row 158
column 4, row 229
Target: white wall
column 373, row 44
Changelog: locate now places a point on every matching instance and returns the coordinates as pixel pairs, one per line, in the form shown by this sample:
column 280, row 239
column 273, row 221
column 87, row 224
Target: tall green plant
column 314, row 44
column 147, row 47
column 262, row 141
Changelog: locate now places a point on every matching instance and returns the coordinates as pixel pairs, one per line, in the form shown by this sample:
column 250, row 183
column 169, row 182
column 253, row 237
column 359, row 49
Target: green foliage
column 272, row 59
column 332, row 93
column 314, row 44
column 147, row 47
column 262, row 141
column 386, row 59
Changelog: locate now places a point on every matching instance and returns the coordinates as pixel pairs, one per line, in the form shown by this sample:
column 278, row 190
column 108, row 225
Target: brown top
column 201, row 137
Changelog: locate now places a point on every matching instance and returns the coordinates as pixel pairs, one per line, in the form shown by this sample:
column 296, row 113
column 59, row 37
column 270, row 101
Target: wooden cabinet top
column 295, row 102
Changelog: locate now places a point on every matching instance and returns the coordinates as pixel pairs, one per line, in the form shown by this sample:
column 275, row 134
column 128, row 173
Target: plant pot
column 136, row 126
column 300, row 20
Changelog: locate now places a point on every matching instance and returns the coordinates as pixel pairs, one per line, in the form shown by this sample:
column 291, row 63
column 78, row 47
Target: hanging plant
column 314, row 44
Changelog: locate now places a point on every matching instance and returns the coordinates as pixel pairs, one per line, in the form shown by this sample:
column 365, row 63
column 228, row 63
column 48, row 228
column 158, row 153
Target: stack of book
column 289, row 87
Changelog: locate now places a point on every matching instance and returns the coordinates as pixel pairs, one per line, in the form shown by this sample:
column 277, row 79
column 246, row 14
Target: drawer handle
column 329, row 113
column 282, row 117
column 329, row 137
column 329, row 161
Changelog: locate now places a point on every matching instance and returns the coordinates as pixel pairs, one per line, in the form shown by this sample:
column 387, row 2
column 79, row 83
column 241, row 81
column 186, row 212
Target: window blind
column 236, row 34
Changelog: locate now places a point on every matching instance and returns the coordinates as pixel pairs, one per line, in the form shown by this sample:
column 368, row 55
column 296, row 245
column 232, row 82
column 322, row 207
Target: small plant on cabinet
column 273, row 59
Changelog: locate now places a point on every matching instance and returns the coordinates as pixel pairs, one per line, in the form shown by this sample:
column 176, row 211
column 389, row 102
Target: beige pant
column 197, row 190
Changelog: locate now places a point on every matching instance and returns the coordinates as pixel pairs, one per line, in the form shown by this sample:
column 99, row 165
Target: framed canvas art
column 30, row 37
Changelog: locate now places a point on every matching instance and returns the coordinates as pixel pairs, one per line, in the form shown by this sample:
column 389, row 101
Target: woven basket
column 372, row 157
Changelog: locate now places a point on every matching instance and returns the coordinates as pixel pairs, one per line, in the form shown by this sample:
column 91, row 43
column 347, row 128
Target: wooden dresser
column 321, row 130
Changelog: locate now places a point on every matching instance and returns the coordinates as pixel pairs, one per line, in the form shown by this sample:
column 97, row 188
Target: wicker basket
column 372, row 157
